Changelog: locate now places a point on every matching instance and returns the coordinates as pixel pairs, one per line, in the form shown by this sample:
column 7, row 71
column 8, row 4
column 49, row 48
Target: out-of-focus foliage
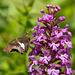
column 20, row 16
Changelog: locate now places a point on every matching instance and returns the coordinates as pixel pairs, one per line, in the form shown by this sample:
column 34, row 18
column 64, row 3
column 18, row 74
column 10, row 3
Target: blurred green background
column 20, row 16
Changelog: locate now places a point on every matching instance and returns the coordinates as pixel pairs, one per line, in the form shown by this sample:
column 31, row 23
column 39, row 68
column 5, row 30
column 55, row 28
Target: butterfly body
column 20, row 44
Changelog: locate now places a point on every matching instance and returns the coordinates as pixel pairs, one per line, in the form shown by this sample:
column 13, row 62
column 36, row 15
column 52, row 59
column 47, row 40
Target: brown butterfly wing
column 13, row 46
column 25, row 40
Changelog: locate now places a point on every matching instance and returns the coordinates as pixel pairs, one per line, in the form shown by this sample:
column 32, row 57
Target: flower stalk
column 50, row 54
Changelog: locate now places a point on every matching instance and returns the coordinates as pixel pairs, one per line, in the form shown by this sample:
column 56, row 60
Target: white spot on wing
column 22, row 45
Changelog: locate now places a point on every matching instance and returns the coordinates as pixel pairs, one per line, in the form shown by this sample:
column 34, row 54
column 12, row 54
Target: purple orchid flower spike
column 52, row 45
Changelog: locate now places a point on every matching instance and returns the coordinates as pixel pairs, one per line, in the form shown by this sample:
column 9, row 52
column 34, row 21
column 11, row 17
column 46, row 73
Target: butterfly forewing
column 20, row 44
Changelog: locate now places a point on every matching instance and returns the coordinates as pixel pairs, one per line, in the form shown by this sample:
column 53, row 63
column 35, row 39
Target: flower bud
column 55, row 10
column 42, row 10
column 58, row 7
column 39, row 19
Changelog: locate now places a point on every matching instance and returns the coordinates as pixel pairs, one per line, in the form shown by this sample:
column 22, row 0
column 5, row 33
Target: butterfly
column 20, row 45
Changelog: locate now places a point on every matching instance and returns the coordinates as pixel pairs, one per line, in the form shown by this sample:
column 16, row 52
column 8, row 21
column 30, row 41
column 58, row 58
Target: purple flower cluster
column 50, row 54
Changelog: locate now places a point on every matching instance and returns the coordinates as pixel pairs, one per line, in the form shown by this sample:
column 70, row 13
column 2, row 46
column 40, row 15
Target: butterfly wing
column 14, row 46
column 24, row 40
column 20, row 44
